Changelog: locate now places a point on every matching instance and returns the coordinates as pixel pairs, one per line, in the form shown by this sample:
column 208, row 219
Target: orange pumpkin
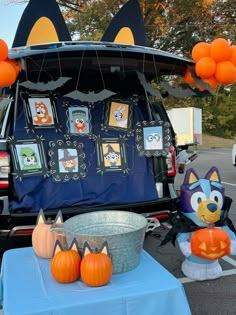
column 65, row 264
column 96, row 268
column 210, row 243
column 43, row 239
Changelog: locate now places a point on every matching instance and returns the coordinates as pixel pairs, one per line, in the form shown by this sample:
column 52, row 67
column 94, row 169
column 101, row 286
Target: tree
column 174, row 26
column 171, row 25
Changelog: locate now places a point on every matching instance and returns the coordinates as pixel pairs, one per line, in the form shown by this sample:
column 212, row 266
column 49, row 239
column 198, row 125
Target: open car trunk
column 56, row 162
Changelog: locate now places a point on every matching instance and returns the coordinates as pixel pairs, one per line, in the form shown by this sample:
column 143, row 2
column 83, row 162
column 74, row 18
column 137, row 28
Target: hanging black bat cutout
column 198, row 80
column 187, row 92
column 147, row 86
column 90, row 97
column 41, row 86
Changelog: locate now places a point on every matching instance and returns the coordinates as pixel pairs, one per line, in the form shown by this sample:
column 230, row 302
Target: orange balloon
column 225, row 72
column 233, row 56
column 212, row 82
column 220, row 50
column 200, row 50
column 7, row 74
column 15, row 64
column 3, row 50
column 188, row 77
column 205, row 67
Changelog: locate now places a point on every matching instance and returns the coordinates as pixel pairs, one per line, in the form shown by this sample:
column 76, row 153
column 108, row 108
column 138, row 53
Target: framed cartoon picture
column 111, row 155
column 153, row 138
column 28, row 157
column 118, row 115
column 40, row 111
column 66, row 160
column 79, row 121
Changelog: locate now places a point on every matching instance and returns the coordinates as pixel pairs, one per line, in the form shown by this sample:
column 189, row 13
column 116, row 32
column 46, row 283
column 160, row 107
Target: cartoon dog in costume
column 29, row 159
column 42, row 115
column 202, row 204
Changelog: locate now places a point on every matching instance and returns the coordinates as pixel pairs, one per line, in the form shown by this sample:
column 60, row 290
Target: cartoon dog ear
column 190, row 177
column 59, row 218
column 213, row 174
column 41, row 218
column 127, row 26
column 41, row 22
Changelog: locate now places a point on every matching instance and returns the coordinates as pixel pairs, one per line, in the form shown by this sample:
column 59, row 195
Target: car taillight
column 4, row 170
column 171, row 162
column 24, row 232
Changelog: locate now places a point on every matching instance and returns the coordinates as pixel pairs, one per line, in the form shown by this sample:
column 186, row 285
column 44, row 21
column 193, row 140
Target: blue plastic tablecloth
column 27, row 288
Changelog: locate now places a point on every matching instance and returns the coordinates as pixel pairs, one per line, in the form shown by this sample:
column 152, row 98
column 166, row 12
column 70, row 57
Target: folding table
column 27, row 288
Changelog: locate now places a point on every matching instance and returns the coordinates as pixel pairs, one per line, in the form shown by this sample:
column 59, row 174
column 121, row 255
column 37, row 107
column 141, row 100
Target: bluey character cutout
column 202, row 209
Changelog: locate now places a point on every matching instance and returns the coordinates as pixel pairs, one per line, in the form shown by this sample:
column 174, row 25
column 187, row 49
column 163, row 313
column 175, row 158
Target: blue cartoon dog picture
column 153, row 138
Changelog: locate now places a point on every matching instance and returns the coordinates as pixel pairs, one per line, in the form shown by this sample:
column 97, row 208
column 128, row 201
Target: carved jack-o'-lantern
column 210, row 243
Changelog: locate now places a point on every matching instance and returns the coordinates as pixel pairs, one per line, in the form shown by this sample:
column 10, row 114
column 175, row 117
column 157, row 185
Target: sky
column 10, row 15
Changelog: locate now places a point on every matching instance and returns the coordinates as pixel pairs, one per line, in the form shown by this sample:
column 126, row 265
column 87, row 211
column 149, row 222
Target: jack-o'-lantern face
column 210, row 243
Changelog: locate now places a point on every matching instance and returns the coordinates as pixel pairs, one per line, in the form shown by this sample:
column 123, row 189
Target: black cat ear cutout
column 104, row 249
column 127, row 26
column 87, row 249
column 57, row 248
column 41, row 218
column 74, row 245
column 59, row 218
column 41, row 22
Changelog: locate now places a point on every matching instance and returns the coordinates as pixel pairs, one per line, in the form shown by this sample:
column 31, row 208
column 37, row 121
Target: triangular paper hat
column 127, row 26
column 41, row 22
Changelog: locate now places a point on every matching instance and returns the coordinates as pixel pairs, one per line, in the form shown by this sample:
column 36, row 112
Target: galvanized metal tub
column 124, row 231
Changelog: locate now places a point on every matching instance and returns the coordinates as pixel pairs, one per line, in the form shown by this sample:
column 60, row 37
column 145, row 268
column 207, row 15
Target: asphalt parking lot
column 213, row 297
column 206, row 297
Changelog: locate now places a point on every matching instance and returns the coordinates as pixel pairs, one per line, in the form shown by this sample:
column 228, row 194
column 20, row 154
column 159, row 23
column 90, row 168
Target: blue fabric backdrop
column 34, row 193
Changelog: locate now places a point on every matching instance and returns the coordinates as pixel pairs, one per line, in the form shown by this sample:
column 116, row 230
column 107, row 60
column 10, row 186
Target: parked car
column 73, row 131
column 234, row 155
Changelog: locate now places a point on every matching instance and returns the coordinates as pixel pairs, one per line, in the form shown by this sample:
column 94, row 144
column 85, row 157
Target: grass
column 215, row 142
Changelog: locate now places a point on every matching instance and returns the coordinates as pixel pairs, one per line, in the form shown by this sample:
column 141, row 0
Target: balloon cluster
column 9, row 68
column 215, row 63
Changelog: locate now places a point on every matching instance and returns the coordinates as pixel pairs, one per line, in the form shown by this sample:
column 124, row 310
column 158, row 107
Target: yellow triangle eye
column 223, row 245
column 203, row 246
